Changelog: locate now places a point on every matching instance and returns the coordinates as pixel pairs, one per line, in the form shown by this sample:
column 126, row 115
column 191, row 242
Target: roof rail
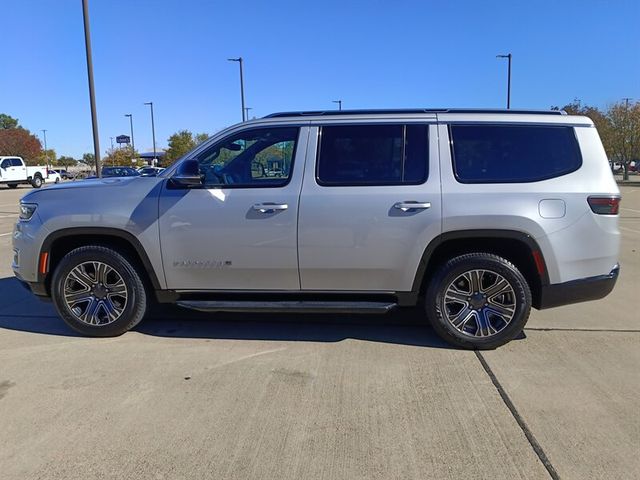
column 315, row 113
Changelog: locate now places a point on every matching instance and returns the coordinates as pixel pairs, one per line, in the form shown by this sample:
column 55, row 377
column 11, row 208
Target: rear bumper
column 576, row 291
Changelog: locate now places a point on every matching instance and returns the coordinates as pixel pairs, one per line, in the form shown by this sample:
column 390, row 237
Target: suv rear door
column 370, row 204
column 237, row 232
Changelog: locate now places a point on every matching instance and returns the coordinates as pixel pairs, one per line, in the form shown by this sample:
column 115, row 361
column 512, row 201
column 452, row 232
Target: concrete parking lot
column 320, row 397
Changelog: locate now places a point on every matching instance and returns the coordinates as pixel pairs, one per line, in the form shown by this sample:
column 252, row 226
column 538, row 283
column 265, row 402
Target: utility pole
column 92, row 96
column 46, row 154
column 509, row 57
column 153, row 132
column 240, row 61
column 133, row 144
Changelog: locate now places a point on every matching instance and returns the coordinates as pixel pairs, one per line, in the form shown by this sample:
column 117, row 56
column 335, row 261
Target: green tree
column 624, row 118
column 7, row 122
column 201, row 137
column 120, row 156
column 66, row 162
column 179, row 143
column 47, row 157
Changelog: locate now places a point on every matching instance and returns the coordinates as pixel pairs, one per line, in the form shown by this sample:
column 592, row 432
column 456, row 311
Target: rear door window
column 513, row 153
column 16, row 162
column 354, row 155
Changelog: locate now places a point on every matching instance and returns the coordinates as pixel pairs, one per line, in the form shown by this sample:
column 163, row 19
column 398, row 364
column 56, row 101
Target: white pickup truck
column 13, row 171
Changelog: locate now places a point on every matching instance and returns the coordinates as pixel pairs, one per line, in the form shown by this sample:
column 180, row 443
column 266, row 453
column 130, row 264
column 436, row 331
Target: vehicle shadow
column 22, row 311
column 405, row 327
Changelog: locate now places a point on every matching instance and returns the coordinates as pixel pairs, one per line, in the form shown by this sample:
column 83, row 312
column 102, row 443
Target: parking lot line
column 630, row 209
column 5, row 234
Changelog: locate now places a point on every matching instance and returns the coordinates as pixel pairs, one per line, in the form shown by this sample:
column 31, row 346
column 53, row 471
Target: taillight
column 604, row 205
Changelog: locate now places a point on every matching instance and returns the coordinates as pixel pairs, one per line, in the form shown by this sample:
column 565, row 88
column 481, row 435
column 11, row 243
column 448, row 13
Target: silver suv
column 475, row 215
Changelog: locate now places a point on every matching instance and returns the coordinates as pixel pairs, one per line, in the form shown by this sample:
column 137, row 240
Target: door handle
column 269, row 207
column 411, row 205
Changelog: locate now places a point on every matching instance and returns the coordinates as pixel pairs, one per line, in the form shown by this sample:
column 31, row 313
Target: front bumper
column 39, row 289
column 576, row 291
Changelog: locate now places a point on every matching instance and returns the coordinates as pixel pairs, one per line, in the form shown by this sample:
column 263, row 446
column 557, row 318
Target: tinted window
column 513, row 153
column 6, row 163
column 254, row 158
column 16, row 162
column 373, row 155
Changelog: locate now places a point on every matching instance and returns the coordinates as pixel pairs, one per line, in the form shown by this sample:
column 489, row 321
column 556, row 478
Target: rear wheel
column 478, row 300
column 98, row 292
column 36, row 182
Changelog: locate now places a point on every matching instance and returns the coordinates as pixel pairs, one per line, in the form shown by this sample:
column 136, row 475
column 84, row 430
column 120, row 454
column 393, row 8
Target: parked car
column 13, row 172
column 64, row 174
column 149, row 171
column 476, row 215
column 52, row 177
column 117, row 172
column 616, row 167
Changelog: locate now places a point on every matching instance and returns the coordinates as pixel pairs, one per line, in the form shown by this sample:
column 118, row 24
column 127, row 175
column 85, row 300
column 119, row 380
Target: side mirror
column 188, row 174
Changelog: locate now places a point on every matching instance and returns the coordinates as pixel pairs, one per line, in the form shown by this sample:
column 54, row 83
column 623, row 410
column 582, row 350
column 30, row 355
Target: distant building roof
column 159, row 154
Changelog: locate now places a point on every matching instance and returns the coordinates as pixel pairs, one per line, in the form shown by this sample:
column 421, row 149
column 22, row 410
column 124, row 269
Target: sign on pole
column 123, row 139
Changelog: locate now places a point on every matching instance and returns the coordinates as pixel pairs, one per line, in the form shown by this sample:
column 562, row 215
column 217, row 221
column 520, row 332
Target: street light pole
column 46, row 154
column 92, row 96
column 240, row 61
column 508, row 56
column 246, row 109
column 339, row 102
column 133, row 144
column 153, row 130
column 111, row 138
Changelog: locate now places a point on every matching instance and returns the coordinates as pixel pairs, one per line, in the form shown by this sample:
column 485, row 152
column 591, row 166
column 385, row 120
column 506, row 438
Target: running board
column 294, row 306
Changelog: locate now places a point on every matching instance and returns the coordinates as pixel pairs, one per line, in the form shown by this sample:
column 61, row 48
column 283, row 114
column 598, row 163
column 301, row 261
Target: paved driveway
column 320, row 397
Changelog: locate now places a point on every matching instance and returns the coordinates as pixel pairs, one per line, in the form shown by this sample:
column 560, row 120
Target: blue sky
column 302, row 55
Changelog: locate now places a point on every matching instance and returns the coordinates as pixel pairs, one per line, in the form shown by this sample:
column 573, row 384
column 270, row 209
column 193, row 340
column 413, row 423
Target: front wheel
column 36, row 182
column 98, row 292
column 478, row 301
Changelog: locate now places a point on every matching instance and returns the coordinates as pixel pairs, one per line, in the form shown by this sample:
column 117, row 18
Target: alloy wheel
column 95, row 293
column 479, row 303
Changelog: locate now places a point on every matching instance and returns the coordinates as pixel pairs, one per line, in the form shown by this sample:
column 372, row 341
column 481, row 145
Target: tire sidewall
column 459, row 265
column 36, row 182
column 136, row 295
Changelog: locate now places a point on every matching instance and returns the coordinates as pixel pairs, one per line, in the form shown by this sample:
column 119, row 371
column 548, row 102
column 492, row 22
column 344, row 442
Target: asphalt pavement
column 320, row 397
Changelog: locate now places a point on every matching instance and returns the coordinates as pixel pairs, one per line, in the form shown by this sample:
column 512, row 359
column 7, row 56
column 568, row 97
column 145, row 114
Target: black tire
column 57, row 180
column 36, row 182
column 135, row 304
column 12, row 185
column 518, row 302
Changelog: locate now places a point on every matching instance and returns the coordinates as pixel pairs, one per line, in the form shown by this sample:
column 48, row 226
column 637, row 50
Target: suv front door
column 370, row 205
column 237, row 232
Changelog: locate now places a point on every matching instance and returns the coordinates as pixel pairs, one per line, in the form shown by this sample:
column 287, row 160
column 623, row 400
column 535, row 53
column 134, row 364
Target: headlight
column 27, row 210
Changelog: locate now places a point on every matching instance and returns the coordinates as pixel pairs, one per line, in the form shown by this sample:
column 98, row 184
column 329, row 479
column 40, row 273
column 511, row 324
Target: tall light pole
column 46, row 154
column 92, row 96
column 240, row 61
column 339, row 102
column 246, row 109
column 508, row 56
column 111, row 138
column 133, row 144
column 153, row 130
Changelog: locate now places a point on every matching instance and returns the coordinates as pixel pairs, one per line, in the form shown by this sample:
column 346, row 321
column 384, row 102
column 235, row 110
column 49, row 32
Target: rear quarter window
column 513, row 153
